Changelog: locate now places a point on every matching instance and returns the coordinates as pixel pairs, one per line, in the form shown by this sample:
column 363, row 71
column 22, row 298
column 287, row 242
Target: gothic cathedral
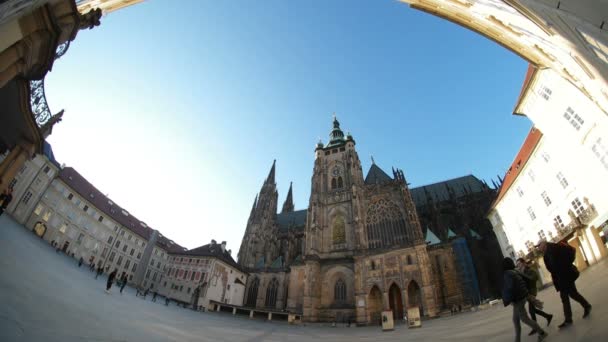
column 358, row 248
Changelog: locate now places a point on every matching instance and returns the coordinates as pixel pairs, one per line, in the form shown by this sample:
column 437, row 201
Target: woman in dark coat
column 111, row 278
column 515, row 292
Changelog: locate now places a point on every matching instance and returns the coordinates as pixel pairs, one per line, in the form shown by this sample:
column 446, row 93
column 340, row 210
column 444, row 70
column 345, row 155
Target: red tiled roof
column 529, row 74
column 519, row 162
column 88, row 191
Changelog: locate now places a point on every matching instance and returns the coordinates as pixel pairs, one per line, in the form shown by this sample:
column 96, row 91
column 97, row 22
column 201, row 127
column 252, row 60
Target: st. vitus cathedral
column 358, row 248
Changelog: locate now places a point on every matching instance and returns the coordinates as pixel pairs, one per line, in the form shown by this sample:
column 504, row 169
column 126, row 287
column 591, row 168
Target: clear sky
column 177, row 112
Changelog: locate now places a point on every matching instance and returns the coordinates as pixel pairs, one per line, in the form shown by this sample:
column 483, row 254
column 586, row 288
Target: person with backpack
column 559, row 259
column 531, row 277
column 515, row 293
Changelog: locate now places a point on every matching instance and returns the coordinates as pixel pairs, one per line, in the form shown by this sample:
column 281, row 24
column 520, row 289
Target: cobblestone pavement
column 46, row 297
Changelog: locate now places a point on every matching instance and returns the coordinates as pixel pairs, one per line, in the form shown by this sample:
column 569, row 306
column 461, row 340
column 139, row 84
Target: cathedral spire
column 270, row 178
column 288, row 205
column 255, row 203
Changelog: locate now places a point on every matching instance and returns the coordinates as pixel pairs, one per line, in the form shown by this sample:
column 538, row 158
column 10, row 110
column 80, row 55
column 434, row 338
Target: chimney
column 230, row 251
column 223, row 246
column 213, row 242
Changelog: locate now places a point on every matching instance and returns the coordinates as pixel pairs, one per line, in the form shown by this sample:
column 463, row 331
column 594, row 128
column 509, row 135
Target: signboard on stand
column 413, row 317
column 387, row 320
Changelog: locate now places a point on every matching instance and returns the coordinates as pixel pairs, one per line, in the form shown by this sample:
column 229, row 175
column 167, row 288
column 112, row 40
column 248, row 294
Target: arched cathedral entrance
column 395, row 302
column 374, row 305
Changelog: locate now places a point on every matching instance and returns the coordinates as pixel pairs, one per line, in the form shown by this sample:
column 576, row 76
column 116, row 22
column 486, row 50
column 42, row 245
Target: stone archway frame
column 40, row 229
column 330, row 277
column 420, row 296
column 400, row 303
column 375, row 315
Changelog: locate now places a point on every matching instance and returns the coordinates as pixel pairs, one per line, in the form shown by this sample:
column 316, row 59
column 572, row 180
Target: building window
column 271, row 293
column 532, row 175
column 134, row 267
column 188, row 290
column 409, row 259
column 600, row 150
column 70, row 196
column 127, row 263
column 100, row 219
column 252, row 294
column 132, row 251
column 27, row 197
column 112, row 255
column 158, row 264
column 546, row 198
column 124, row 248
column 105, row 252
column 373, row 265
column 531, row 213
column 129, row 237
column 110, row 239
column 38, row 209
column 154, row 276
column 139, row 255
column 185, row 275
column 228, row 287
column 148, row 274
column 340, row 291
column 122, row 232
column 562, row 180
column 546, row 157
column 46, row 170
column 80, row 237
column 63, row 228
column 520, row 191
column 117, row 244
column 12, row 184
column 85, row 208
column 575, row 119
column 545, row 92
column 47, row 216
column 193, row 274
column 577, row 206
column 152, row 262
column 119, row 262
column 558, row 223
column 334, row 183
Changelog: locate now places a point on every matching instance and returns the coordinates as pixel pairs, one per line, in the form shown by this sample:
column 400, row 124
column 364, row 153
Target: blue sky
column 177, row 112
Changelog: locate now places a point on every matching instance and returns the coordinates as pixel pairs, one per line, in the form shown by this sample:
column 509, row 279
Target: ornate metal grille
column 271, row 293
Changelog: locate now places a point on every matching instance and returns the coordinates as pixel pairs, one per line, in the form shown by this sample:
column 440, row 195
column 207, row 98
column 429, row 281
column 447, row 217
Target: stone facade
column 358, row 248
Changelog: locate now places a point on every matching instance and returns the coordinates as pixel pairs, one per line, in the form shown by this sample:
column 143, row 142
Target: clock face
column 336, row 171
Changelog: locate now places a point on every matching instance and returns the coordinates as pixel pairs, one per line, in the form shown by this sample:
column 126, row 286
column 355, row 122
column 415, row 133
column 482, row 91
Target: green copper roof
column 451, row 234
column 261, row 263
column 277, row 263
column 474, row 234
column 431, row 238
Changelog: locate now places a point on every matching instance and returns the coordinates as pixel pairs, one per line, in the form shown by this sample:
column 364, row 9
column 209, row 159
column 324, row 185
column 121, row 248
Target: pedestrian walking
column 5, row 199
column 80, row 261
column 124, row 282
column 99, row 271
column 515, row 293
column 154, row 296
column 111, row 278
column 146, row 293
column 559, row 259
column 531, row 277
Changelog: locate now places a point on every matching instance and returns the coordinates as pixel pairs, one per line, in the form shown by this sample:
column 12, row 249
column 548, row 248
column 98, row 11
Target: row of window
column 576, row 204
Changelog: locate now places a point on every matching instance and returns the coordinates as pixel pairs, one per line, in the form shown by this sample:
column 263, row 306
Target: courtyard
column 46, row 297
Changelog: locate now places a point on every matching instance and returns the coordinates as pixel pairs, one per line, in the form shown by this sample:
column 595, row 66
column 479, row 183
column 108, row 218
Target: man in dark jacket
column 558, row 259
column 531, row 277
column 5, row 199
column 515, row 292
column 111, row 278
